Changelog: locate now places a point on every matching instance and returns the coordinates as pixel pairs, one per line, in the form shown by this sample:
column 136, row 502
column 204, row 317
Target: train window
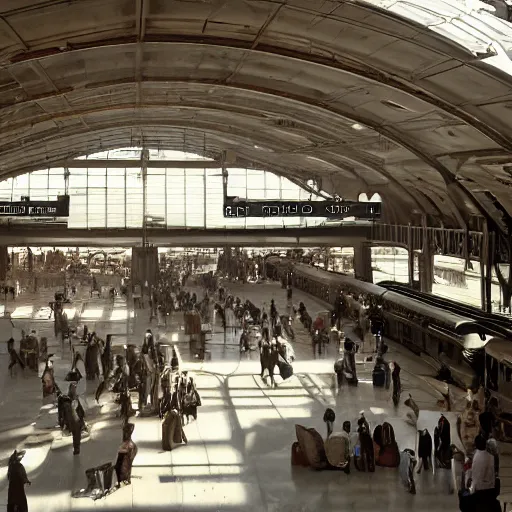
column 508, row 374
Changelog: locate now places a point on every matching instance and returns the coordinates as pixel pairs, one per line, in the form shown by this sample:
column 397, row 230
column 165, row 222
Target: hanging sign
column 28, row 208
column 330, row 209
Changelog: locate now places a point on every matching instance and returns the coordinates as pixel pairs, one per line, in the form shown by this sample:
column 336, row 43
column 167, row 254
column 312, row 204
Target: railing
column 449, row 242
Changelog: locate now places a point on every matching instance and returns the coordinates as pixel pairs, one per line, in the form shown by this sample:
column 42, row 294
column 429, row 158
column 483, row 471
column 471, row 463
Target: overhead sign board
column 330, row 209
column 59, row 208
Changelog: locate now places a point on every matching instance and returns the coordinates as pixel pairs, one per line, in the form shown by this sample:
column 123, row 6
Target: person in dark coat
column 125, row 455
column 191, row 400
column 424, row 450
column 442, row 443
column 397, row 385
column 14, row 358
column 71, row 416
column 92, row 368
column 17, row 476
column 367, row 451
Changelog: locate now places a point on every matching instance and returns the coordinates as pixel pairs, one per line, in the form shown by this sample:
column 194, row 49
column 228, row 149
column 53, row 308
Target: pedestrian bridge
column 34, row 235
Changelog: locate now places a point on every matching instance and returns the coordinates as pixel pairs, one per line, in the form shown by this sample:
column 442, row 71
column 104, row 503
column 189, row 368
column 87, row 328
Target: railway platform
column 238, row 452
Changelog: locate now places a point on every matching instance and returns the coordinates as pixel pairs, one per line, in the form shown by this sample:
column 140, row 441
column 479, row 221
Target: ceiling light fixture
column 357, row 127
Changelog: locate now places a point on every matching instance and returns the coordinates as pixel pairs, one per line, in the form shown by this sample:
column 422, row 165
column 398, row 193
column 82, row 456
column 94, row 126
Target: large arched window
column 112, row 197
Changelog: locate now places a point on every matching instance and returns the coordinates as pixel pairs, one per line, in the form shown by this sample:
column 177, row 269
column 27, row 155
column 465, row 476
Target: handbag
column 73, row 375
column 285, row 369
column 189, row 400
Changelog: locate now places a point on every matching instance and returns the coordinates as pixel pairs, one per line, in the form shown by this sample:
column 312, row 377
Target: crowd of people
column 166, row 390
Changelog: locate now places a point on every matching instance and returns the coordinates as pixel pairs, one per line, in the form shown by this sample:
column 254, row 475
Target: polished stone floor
column 238, row 455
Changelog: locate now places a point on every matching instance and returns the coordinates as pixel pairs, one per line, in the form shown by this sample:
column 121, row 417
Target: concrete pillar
column 4, row 262
column 486, row 266
column 410, row 256
column 363, row 262
column 327, row 257
column 144, row 265
column 426, row 265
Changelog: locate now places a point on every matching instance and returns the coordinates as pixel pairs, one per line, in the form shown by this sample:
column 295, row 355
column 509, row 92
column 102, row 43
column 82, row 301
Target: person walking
column 17, row 476
column 483, row 479
column 397, row 385
column 366, row 458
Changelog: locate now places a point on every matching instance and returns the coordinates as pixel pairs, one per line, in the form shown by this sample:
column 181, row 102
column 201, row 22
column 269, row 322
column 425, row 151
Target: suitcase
column 285, row 369
column 379, row 377
column 298, row 458
column 167, row 432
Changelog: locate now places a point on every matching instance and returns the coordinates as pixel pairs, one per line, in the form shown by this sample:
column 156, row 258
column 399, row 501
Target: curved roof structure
column 382, row 96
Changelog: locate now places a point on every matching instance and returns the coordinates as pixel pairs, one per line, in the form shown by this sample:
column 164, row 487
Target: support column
column 488, row 273
column 484, row 255
column 486, row 265
column 426, row 264
column 410, row 256
column 363, row 262
column 4, row 262
column 327, row 257
column 144, row 266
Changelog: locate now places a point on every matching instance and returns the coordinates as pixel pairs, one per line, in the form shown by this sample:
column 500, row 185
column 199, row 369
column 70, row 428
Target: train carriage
column 441, row 337
column 498, row 382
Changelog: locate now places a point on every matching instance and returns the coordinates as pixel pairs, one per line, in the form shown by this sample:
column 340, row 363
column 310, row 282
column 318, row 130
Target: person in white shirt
column 482, row 469
column 483, row 479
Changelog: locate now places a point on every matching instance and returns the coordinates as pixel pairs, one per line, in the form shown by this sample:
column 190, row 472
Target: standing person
column 273, row 309
column 367, row 455
column 191, row 400
column 14, row 358
column 265, row 327
column 424, row 450
column 340, row 310
column 17, row 476
column 125, row 456
column 397, row 385
column 72, row 420
column 443, row 451
column 483, row 480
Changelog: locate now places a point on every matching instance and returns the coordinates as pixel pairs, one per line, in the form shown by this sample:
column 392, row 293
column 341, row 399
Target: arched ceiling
column 362, row 96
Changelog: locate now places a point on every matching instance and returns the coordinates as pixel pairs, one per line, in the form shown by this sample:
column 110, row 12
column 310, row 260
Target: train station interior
column 255, row 255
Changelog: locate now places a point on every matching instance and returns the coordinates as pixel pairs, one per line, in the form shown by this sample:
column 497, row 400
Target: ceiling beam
column 341, row 62
column 94, row 163
column 387, row 132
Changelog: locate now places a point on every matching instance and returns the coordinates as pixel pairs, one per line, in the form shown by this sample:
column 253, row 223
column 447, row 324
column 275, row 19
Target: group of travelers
column 480, row 485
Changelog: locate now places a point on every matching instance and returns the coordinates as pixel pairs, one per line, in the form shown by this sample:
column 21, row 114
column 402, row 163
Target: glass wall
column 113, row 197
column 390, row 264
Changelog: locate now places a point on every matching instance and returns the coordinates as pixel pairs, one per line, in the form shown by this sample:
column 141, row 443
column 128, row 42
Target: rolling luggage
column 168, row 426
column 285, row 369
column 99, row 482
column 379, row 377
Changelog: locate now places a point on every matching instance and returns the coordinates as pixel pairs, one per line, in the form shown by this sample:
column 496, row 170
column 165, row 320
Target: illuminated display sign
column 59, row 208
column 330, row 209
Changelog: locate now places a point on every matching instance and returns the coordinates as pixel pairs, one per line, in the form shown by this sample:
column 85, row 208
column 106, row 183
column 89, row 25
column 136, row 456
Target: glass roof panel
column 472, row 24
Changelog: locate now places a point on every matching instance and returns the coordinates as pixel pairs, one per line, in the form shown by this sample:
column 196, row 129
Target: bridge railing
column 449, row 242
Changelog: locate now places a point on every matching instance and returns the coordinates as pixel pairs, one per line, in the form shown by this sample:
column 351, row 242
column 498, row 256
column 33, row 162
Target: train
column 443, row 332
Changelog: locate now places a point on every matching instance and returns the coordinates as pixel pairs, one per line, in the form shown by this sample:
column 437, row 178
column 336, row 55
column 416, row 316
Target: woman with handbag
column 191, row 400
